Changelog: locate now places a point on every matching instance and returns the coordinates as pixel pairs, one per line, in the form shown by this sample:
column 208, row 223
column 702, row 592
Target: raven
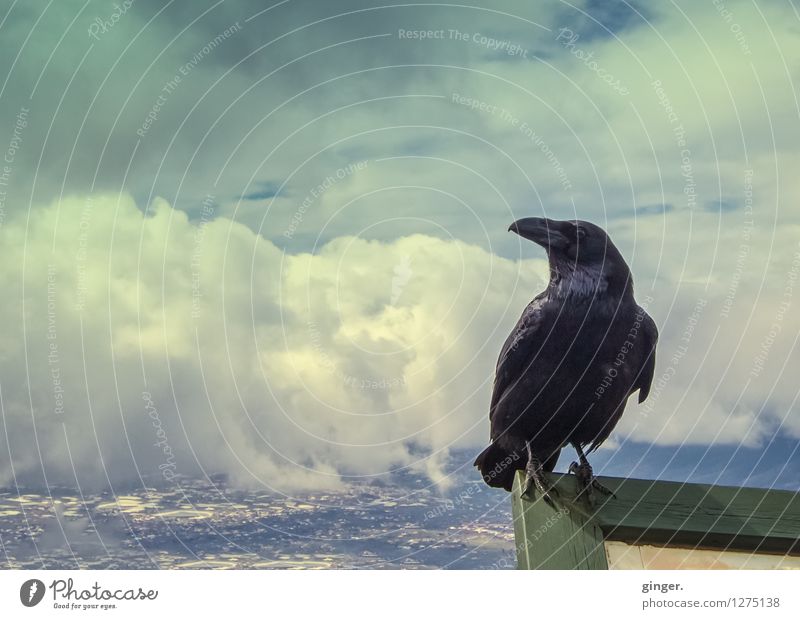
column 564, row 375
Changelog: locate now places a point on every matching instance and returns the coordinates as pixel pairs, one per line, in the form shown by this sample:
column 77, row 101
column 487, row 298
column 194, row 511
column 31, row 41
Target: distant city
column 403, row 523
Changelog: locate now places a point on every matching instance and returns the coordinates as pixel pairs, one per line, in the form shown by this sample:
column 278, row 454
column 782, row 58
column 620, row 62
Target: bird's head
column 582, row 257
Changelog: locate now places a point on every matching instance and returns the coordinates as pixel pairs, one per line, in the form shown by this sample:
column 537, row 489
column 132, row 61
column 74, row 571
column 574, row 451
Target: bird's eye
column 579, row 232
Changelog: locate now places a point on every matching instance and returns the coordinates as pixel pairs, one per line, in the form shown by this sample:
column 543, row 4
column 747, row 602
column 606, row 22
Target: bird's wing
column 520, row 348
column 650, row 339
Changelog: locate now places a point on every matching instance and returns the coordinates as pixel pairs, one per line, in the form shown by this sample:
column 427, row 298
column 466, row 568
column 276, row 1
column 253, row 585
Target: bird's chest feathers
column 589, row 325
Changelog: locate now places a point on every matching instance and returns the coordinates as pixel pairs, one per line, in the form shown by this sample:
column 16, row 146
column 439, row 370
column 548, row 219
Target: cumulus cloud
column 140, row 343
column 728, row 301
column 193, row 344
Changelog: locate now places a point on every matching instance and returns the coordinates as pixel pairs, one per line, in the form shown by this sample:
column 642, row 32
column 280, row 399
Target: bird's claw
column 534, row 478
column 587, row 483
column 602, row 489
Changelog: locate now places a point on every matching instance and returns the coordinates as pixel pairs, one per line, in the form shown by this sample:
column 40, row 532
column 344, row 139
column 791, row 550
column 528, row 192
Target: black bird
column 579, row 350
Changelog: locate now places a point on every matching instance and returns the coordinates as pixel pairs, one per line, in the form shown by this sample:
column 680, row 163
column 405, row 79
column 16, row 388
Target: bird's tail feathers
column 497, row 466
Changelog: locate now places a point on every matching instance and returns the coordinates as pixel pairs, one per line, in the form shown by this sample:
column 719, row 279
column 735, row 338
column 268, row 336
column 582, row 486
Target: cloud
column 147, row 344
column 722, row 205
column 291, row 112
column 268, row 190
column 140, row 343
column 727, row 303
column 654, row 209
column 301, row 369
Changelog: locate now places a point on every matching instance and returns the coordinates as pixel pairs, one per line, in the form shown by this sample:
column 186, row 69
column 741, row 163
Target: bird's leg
column 534, row 476
column 586, row 481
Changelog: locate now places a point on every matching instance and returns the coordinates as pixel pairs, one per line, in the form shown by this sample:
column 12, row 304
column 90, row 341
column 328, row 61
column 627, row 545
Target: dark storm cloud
column 654, row 209
column 138, row 103
column 267, row 189
column 599, row 19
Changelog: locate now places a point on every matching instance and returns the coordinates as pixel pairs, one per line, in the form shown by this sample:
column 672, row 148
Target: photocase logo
column 31, row 592
column 402, row 274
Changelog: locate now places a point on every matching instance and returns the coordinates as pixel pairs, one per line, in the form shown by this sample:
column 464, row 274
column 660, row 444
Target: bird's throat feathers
column 569, row 280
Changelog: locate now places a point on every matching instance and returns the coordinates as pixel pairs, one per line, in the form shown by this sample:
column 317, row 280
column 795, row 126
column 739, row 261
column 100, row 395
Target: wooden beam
column 556, row 537
column 570, row 535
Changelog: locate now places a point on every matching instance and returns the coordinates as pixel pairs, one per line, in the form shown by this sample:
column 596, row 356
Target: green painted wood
column 651, row 512
column 555, row 537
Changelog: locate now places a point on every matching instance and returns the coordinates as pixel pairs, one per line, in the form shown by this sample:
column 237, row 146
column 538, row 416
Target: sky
column 270, row 240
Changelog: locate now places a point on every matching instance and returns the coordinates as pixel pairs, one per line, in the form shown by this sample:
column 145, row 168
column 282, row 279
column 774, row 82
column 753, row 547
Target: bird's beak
column 544, row 232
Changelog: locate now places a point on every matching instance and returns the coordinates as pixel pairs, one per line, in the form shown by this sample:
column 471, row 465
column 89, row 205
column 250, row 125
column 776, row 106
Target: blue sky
column 287, row 227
